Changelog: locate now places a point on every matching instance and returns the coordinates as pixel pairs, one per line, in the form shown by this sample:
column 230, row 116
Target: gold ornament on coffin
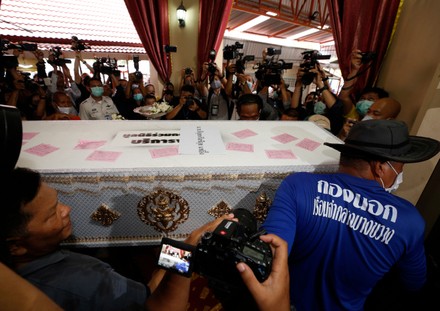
column 222, row 208
column 105, row 215
column 262, row 204
column 163, row 210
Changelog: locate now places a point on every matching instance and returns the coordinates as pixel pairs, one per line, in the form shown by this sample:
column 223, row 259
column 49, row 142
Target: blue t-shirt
column 344, row 233
column 80, row 282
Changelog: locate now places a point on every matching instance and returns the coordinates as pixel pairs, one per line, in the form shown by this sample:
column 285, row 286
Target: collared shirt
column 79, row 282
column 90, row 109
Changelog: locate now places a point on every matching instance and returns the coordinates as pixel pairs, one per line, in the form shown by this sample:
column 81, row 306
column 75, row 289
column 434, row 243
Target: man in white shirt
column 97, row 106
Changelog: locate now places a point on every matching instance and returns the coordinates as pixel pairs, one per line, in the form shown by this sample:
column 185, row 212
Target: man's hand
column 272, row 294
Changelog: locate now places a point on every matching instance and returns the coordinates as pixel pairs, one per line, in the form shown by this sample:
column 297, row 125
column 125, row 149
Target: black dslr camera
column 211, row 65
column 189, row 101
column 310, row 59
column 368, row 57
column 218, row 252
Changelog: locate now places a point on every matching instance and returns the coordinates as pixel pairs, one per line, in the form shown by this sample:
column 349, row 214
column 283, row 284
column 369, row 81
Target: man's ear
column 377, row 168
column 15, row 246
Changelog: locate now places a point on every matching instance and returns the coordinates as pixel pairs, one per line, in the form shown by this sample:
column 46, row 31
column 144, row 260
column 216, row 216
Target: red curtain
column 364, row 25
column 150, row 18
column 213, row 18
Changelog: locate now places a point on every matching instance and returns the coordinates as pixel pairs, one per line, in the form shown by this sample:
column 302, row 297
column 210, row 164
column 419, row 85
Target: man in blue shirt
column 345, row 231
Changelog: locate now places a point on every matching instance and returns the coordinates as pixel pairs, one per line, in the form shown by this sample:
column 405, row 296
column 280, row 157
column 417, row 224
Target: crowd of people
column 333, row 236
column 217, row 94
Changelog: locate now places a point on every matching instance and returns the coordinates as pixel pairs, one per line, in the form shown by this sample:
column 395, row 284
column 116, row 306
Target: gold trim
column 77, row 240
column 262, row 205
column 222, row 208
column 163, row 210
column 71, row 179
column 105, row 215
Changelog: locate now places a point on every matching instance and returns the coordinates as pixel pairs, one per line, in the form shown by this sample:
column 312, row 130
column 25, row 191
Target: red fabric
column 213, row 19
column 363, row 25
column 150, row 18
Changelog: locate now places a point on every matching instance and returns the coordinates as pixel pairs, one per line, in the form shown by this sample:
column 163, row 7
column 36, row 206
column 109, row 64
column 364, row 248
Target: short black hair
column 149, row 96
column 249, row 99
column 381, row 93
column 291, row 112
column 20, row 187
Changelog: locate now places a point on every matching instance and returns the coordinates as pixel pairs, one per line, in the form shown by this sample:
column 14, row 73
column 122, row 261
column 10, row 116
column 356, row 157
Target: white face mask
column 67, row 110
column 397, row 181
column 367, row 117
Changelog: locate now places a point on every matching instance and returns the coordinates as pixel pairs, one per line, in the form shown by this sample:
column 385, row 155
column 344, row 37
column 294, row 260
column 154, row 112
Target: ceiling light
column 252, row 23
column 271, row 13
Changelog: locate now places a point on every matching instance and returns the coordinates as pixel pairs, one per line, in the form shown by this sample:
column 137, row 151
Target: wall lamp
column 181, row 15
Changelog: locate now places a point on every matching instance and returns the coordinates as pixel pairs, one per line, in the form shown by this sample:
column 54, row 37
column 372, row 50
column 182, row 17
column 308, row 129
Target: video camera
column 105, row 66
column 10, row 61
column 137, row 74
column 270, row 70
column 7, row 45
column 58, row 59
column 231, row 51
column 310, row 60
column 218, row 252
column 78, row 45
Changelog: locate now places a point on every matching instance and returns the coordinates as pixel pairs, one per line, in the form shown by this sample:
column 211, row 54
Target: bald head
column 384, row 109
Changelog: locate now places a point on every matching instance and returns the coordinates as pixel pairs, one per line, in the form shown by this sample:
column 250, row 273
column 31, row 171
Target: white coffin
column 202, row 186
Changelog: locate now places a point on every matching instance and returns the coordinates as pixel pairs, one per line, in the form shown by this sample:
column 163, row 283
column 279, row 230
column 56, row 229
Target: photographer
column 187, row 107
column 218, row 103
column 61, row 80
column 360, row 62
column 334, row 107
column 188, row 78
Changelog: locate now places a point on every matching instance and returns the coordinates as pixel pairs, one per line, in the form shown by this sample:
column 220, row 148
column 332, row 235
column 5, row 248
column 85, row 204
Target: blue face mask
column 362, row 106
column 97, row 91
column 138, row 96
column 319, row 108
column 216, row 84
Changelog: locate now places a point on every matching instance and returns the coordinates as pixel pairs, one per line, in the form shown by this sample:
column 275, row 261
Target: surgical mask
column 67, row 110
column 97, row 91
column 249, row 85
column 319, row 108
column 138, row 96
column 362, row 106
column 397, row 181
column 367, row 117
column 216, row 84
column 234, row 79
column 275, row 95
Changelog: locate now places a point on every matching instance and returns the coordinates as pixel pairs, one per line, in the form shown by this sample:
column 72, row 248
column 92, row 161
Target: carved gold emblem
column 105, row 215
column 163, row 210
column 262, row 204
column 220, row 209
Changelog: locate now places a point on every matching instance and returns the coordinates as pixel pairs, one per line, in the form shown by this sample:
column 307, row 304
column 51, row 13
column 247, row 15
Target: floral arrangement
column 116, row 116
column 160, row 107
